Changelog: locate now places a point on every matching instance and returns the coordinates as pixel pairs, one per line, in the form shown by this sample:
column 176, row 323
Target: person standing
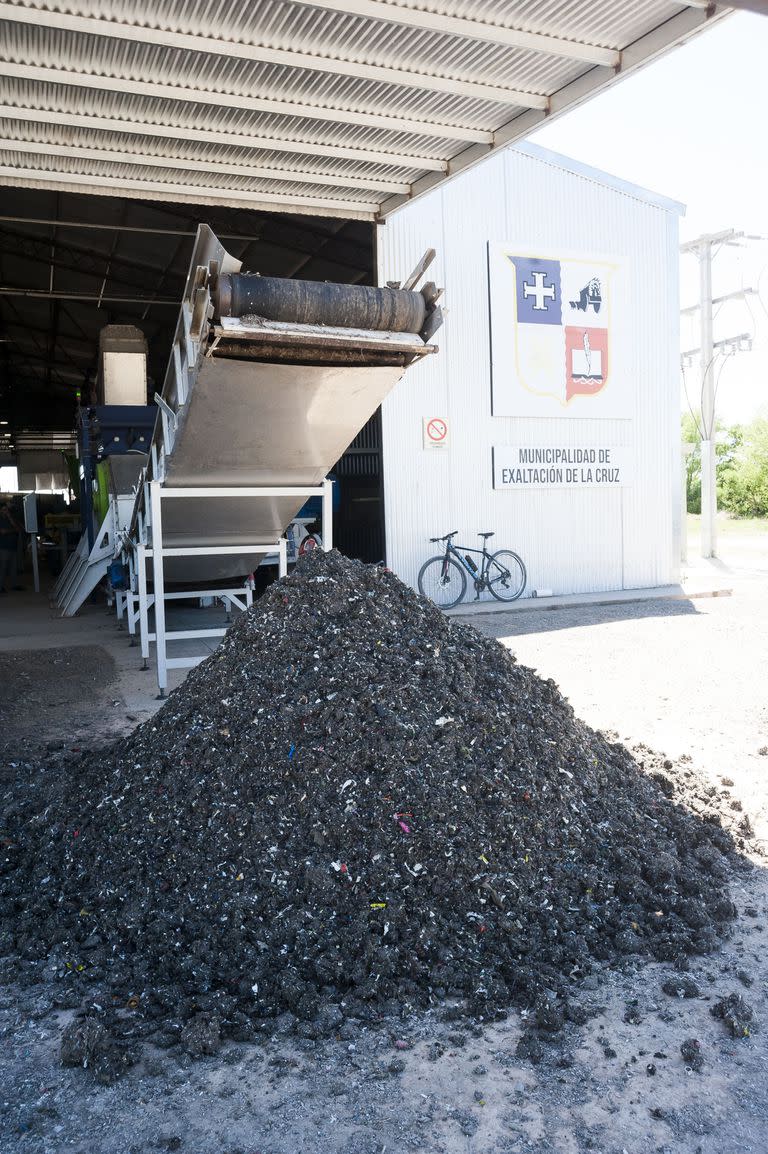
column 9, row 544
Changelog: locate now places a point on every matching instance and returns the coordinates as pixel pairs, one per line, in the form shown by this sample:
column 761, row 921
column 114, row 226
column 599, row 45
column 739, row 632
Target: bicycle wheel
column 506, row 575
column 443, row 581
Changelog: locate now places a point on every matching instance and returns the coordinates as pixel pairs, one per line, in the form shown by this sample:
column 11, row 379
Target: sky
column 692, row 126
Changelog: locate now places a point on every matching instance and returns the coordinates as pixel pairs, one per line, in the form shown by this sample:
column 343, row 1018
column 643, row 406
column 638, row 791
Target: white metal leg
column 154, row 492
column 131, row 597
column 238, row 600
column 158, row 582
column 131, row 604
column 327, row 515
column 35, row 567
column 141, row 562
column 188, row 635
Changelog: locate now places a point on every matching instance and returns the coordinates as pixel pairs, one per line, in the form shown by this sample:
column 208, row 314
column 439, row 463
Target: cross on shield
column 562, row 310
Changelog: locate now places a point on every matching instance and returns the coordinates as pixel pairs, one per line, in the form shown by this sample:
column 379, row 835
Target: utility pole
column 708, row 481
column 709, row 349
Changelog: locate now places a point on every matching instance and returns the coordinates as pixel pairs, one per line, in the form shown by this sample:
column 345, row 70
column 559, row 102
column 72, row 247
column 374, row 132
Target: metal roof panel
column 389, row 97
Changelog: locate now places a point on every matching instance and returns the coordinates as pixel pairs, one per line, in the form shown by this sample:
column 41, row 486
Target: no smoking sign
column 435, row 433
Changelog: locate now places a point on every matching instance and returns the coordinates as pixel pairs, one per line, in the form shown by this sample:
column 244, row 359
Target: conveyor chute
column 268, row 383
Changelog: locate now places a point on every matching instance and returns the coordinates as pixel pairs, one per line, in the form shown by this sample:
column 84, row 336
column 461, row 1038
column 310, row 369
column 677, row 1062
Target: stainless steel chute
column 255, row 410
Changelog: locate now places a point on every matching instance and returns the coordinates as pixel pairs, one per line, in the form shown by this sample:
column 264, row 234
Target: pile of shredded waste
column 354, row 807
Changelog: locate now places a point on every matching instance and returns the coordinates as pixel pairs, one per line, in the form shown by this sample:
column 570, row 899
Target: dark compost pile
column 354, row 804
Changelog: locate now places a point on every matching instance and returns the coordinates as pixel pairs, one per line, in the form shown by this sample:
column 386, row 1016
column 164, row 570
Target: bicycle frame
column 478, row 574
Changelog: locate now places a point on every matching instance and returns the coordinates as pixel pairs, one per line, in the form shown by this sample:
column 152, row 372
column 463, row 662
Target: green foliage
column 690, row 435
column 743, row 487
column 741, row 467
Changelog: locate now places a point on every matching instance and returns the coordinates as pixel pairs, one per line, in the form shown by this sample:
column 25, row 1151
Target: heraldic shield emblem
column 562, row 326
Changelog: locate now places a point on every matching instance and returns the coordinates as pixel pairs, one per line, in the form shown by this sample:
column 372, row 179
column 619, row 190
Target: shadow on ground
column 516, row 623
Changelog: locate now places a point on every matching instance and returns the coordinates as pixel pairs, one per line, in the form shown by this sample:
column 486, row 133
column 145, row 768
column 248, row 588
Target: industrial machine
column 268, row 382
column 114, row 428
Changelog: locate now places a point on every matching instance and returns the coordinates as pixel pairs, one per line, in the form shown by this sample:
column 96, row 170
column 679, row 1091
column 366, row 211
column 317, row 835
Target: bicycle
column 444, row 579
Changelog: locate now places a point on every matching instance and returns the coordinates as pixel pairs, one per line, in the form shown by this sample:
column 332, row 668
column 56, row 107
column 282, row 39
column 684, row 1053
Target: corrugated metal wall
column 571, row 541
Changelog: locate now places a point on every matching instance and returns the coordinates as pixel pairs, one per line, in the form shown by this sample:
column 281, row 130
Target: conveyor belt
column 256, row 408
column 267, row 400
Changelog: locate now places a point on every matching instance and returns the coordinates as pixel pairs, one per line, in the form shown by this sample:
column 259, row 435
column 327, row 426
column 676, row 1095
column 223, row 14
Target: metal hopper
column 268, row 382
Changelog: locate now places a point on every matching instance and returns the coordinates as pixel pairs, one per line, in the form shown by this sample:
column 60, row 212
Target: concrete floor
column 27, row 621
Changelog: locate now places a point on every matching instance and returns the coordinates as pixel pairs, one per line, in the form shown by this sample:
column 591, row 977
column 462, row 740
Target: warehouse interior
column 71, row 264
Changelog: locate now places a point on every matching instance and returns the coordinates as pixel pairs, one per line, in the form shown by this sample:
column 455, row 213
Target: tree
column 744, row 483
column 728, row 456
column 690, row 435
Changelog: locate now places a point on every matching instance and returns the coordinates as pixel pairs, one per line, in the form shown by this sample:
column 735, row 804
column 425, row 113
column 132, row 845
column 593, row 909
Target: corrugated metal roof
column 346, row 108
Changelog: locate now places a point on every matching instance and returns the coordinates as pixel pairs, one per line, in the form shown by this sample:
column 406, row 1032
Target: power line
column 705, row 248
column 688, row 400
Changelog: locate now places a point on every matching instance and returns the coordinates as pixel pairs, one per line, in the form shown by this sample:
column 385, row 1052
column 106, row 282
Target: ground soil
column 60, row 697
column 690, row 674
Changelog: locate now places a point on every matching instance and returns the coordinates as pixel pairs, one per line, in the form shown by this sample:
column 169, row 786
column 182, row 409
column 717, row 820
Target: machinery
column 113, row 438
column 268, row 382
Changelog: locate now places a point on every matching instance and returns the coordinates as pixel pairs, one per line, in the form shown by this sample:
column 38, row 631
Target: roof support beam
column 571, row 95
column 192, row 165
column 197, row 193
column 32, row 359
column 472, row 29
column 206, row 136
column 89, row 264
column 105, row 82
column 43, row 294
column 41, row 221
column 90, row 260
column 47, row 350
column 69, row 340
column 636, row 55
column 189, row 42
column 274, row 235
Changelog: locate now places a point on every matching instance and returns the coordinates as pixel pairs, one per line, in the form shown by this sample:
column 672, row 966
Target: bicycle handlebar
column 447, row 537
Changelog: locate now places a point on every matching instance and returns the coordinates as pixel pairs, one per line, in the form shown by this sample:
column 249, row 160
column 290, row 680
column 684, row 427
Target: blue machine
column 104, row 431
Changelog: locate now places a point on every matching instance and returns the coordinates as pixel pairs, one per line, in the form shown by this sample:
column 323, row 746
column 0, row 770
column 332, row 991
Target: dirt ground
column 686, row 677
column 62, row 696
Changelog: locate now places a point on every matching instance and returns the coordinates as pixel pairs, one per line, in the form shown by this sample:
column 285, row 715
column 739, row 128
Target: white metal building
column 569, row 450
